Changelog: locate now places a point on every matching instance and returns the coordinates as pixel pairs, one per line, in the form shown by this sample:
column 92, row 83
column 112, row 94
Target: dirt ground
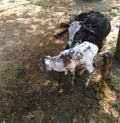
column 27, row 29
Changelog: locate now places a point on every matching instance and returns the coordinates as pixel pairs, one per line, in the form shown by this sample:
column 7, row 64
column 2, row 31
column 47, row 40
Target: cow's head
column 76, row 31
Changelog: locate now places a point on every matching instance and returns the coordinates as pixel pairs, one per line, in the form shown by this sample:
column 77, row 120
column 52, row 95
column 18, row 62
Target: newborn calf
column 67, row 60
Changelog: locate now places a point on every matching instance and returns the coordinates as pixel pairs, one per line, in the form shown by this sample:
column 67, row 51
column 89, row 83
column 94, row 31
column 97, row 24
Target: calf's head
column 45, row 63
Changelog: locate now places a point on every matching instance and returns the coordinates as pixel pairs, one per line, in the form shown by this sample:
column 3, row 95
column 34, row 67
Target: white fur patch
column 67, row 60
column 73, row 28
column 47, row 61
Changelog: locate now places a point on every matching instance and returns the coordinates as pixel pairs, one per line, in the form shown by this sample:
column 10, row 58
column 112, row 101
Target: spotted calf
column 67, row 60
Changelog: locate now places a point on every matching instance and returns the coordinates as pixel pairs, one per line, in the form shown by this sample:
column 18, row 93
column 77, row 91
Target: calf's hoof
column 72, row 89
column 85, row 86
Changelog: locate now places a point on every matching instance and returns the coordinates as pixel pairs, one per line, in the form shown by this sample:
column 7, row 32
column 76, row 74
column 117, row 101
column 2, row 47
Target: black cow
column 89, row 26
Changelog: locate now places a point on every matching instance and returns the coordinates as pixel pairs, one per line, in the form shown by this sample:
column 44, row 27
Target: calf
column 67, row 60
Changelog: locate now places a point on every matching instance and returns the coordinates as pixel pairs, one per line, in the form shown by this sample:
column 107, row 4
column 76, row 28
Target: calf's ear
column 47, row 62
column 67, row 47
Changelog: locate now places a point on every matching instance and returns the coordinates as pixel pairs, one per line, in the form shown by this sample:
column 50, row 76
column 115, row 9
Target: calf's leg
column 72, row 79
column 90, row 69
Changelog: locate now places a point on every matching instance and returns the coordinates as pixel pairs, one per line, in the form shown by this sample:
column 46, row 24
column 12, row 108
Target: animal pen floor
column 27, row 95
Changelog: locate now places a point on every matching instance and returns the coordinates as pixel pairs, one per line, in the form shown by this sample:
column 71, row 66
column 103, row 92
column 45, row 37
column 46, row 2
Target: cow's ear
column 67, row 47
column 72, row 18
column 87, row 28
column 85, row 20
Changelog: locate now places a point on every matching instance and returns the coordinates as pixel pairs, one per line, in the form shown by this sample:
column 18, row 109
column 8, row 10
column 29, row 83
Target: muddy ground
column 27, row 29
